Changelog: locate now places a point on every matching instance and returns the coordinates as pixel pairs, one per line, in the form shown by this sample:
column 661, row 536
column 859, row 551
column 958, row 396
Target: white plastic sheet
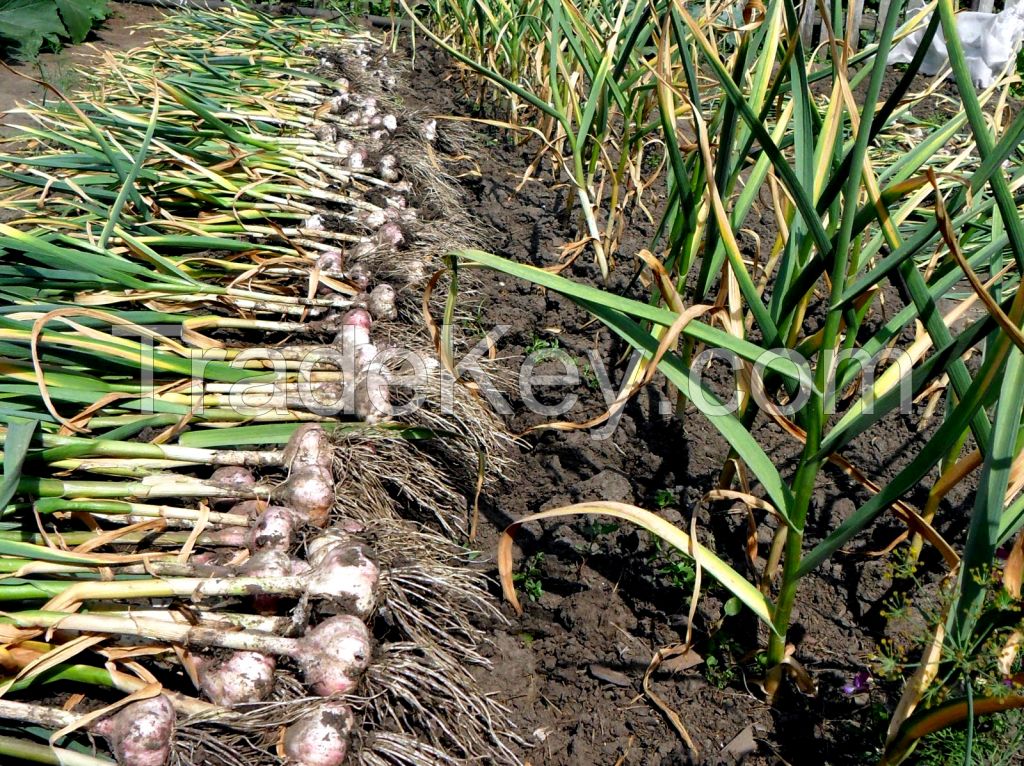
column 990, row 40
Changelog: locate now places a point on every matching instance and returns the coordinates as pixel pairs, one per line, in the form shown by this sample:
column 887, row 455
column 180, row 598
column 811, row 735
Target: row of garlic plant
column 577, row 79
column 752, row 128
column 165, row 240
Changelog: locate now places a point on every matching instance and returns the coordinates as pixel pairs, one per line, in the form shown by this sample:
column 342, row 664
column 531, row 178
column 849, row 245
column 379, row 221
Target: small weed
column 890, row 660
column 896, row 607
column 1003, row 600
column 902, row 566
column 720, row 660
column 589, row 377
column 61, row 74
column 351, row 7
column 529, row 578
column 595, row 529
column 475, row 321
column 679, row 571
column 542, row 348
column 997, row 741
column 593, row 532
column 664, row 498
column 719, row 675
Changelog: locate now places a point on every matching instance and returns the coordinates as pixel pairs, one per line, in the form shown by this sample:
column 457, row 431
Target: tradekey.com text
column 390, row 383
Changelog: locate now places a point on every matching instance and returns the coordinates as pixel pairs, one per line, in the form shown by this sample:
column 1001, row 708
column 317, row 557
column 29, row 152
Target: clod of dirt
column 609, row 676
column 742, row 745
column 607, row 485
column 595, row 617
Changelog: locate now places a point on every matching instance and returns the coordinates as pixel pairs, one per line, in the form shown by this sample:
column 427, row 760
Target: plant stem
column 41, row 715
column 227, row 620
column 159, row 630
column 93, row 676
column 814, row 414
column 157, row 485
column 65, row 447
column 140, row 510
column 39, row 753
column 69, row 593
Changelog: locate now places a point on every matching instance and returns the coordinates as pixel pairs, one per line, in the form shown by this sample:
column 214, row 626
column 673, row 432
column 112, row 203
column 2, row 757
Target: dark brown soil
column 571, row 667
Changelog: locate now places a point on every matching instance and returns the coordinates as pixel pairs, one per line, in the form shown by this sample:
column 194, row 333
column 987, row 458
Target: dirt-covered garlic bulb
column 344, row 148
column 329, row 263
column 330, row 260
column 337, row 104
column 361, row 249
column 344, row 571
column 429, row 131
column 334, row 654
column 309, row 445
column 387, row 167
column 251, row 508
column 382, row 302
column 318, row 547
column 140, row 734
column 357, row 159
column 274, row 529
column 416, row 271
column 309, row 491
column 240, row 678
column 359, row 274
column 321, row 738
column 390, row 235
column 325, row 132
column 354, row 339
column 271, row 562
column 372, row 397
column 374, row 219
column 232, row 477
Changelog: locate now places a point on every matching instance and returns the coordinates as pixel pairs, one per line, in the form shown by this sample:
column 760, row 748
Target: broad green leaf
column 79, row 15
column 279, row 433
column 45, row 553
column 726, row 423
column 983, row 534
column 957, row 420
column 19, row 436
column 272, row 433
column 28, row 23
